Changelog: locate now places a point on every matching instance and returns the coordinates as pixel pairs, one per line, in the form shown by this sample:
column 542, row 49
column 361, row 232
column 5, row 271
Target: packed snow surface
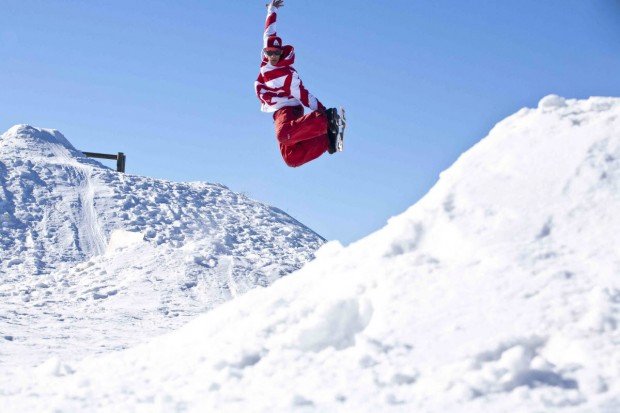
column 499, row 291
column 93, row 260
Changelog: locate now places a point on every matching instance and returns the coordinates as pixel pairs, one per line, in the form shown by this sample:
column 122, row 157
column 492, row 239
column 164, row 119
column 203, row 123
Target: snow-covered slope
column 498, row 292
column 57, row 206
column 91, row 259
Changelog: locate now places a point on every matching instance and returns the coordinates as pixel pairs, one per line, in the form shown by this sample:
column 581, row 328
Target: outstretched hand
column 276, row 3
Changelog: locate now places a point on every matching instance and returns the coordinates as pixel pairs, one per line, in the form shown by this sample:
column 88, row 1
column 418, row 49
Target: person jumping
column 302, row 138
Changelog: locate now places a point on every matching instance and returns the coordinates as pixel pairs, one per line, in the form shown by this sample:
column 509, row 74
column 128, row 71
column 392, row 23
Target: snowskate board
column 335, row 129
column 342, row 123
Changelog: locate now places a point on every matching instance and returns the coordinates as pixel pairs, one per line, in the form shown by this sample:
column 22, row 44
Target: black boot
column 332, row 128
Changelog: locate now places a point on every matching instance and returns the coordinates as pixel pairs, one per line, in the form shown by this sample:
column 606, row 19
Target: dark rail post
column 120, row 162
column 120, row 159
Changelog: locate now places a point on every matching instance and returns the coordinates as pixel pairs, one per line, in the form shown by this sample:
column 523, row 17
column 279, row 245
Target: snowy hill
column 57, row 206
column 498, row 292
column 91, row 259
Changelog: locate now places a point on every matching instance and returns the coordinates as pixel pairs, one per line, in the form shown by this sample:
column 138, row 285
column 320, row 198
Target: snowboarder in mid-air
column 302, row 138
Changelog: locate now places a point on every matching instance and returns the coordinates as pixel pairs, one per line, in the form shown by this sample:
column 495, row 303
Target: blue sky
column 171, row 85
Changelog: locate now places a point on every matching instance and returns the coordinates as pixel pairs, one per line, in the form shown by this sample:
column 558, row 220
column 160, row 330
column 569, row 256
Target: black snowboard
column 342, row 123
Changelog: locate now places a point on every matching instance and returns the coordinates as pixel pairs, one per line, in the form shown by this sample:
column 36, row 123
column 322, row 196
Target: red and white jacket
column 279, row 86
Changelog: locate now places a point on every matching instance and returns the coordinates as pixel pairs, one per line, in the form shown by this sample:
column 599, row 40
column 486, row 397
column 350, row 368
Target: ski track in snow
column 91, row 238
column 94, row 235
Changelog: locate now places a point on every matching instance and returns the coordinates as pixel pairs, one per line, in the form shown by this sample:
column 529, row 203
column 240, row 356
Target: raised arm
column 270, row 23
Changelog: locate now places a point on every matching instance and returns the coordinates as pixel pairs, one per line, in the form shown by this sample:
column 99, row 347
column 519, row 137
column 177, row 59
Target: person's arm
column 270, row 22
column 299, row 92
column 259, row 86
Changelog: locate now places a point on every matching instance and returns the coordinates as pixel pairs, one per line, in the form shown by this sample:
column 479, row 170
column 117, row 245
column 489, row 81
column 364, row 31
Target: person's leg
column 302, row 128
column 303, row 152
column 302, row 138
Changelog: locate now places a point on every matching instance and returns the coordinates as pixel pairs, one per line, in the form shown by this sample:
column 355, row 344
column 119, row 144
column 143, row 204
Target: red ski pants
column 302, row 137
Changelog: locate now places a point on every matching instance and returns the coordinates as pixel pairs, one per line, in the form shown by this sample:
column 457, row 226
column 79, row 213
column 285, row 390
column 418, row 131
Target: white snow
column 120, row 240
column 498, row 292
column 551, row 102
column 92, row 260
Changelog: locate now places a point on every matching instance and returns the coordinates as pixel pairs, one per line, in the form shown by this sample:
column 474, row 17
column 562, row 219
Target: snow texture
column 92, row 260
column 499, row 291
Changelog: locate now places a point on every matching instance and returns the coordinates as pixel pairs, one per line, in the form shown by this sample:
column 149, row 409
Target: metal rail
column 120, row 159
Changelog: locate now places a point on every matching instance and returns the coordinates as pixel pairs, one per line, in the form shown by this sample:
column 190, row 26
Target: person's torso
column 277, row 91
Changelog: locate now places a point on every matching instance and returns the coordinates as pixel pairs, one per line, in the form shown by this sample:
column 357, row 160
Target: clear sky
column 170, row 83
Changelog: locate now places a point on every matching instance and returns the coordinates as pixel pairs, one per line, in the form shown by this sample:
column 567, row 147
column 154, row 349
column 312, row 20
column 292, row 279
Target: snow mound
column 552, row 101
column 58, row 208
column 498, row 291
column 93, row 260
column 30, row 136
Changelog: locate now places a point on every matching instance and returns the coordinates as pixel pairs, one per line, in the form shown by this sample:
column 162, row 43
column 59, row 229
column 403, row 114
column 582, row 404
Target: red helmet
column 273, row 43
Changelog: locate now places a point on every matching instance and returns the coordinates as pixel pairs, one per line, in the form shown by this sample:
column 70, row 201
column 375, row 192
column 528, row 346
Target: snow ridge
column 67, row 206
